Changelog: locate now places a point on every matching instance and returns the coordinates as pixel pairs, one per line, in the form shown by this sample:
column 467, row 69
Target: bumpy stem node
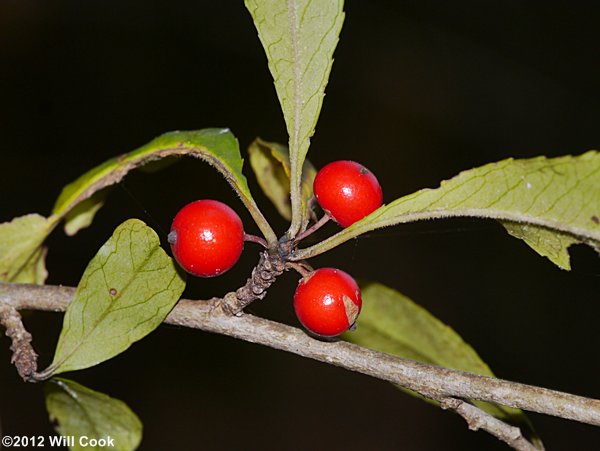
column 269, row 267
column 24, row 357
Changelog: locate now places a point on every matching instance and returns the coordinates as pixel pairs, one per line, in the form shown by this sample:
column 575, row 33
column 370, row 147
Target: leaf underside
column 299, row 38
column 550, row 203
column 82, row 412
column 390, row 322
column 126, row 291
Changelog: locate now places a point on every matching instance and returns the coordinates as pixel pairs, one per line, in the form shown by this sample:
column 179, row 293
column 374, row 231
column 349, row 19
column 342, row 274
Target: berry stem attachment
column 316, row 226
column 256, row 239
column 304, row 269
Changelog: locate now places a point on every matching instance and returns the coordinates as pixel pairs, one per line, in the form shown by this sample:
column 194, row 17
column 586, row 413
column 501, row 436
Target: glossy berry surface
column 347, row 191
column 327, row 301
column 207, row 238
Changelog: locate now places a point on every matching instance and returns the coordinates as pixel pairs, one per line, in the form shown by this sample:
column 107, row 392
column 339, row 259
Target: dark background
column 419, row 91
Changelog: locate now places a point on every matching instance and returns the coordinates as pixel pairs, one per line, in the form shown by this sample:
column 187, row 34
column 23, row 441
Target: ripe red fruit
column 327, row 301
column 207, row 238
column 347, row 191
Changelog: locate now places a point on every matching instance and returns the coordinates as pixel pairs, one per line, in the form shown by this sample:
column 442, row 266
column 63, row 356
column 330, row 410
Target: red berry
column 207, row 238
column 327, row 301
column 347, row 191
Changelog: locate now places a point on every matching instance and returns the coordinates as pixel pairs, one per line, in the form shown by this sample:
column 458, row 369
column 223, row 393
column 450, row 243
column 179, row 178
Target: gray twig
column 24, row 357
column 478, row 419
column 429, row 380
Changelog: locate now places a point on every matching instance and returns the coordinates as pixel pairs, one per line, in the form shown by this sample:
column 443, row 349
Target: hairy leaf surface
column 299, row 38
column 550, row 203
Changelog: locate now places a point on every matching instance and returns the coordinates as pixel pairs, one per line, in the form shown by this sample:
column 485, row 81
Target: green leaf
column 81, row 412
column 21, row 253
column 82, row 215
column 271, row 164
column 558, row 199
column 547, row 243
column 390, row 322
column 217, row 147
column 34, row 270
column 126, row 291
column 299, row 38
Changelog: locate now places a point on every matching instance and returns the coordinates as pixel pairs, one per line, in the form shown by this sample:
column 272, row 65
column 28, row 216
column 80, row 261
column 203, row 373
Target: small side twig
column 478, row 419
column 316, row 226
column 24, row 357
column 256, row 239
column 304, row 269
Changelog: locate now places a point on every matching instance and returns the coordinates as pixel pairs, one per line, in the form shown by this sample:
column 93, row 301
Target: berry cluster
column 207, row 238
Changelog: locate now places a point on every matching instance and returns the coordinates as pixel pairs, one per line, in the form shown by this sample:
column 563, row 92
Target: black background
column 419, row 91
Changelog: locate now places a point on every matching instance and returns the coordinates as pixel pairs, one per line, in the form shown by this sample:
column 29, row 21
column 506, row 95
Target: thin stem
column 429, row 380
column 296, row 202
column 256, row 239
column 478, row 419
column 302, row 268
column 261, row 222
column 316, row 226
